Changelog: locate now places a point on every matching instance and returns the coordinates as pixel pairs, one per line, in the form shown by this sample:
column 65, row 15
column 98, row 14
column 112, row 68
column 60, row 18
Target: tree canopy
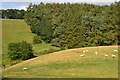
column 12, row 14
column 74, row 25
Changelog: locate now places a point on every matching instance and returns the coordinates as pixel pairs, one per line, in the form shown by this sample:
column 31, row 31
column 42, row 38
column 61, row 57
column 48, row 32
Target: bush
column 37, row 40
column 62, row 48
column 51, row 50
column 20, row 50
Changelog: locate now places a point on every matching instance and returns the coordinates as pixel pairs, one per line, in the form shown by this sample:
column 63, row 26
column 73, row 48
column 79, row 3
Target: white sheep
column 96, row 53
column 86, row 50
column 115, row 51
column 83, row 51
column 25, row 68
column 113, row 56
column 106, row 55
column 82, row 55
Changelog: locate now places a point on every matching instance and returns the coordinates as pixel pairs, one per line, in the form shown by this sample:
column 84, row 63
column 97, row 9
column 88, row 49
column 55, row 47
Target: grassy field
column 62, row 64
column 69, row 64
column 14, row 30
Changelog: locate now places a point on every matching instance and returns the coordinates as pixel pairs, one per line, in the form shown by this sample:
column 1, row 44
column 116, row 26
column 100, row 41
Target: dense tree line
column 12, row 14
column 75, row 25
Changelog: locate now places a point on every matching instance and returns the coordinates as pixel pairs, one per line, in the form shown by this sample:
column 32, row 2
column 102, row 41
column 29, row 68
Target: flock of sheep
column 83, row 55
column 96, row 53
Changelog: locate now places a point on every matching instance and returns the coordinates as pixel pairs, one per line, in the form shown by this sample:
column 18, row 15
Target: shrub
column 14, row 51
column 51, row 50
column 37, row 40
column 62, row 48
column 20, row 50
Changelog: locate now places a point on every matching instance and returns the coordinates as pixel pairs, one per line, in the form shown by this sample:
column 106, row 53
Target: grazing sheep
column 96, row 53
column 106, row 55
column 86, row 50
column 115, row 51
column 25, row 68
column 113, row 56
column 83, row 51
column 82, row 55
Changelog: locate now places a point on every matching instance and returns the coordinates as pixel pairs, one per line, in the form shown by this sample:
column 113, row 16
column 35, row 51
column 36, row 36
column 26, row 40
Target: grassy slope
column 16, row 31
column 68, row 63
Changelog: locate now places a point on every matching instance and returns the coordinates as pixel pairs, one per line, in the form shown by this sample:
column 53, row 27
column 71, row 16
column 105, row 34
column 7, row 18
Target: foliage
column 37, row 40
column 20, row 50
column 74, row 25
column 12, row 14
column 51, row 50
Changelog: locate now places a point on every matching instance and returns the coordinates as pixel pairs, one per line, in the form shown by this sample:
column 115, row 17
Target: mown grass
column 69, row 64
column 14, row 30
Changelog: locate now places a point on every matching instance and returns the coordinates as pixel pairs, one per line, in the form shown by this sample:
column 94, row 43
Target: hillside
column 68, row 63
column 15, row 30
column 60, row 40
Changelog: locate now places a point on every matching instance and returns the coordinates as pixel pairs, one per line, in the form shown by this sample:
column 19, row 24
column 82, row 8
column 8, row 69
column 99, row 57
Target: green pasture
column 14, row 30
column 69, row 64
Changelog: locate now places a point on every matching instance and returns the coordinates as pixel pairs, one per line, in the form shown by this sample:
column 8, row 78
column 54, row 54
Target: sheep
column 25, row 68
column 86, row 50
column 106, row 55
column 96, row 53
column 113, row 56
column 82, row 55
column 115, row 51
column 83, row 51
